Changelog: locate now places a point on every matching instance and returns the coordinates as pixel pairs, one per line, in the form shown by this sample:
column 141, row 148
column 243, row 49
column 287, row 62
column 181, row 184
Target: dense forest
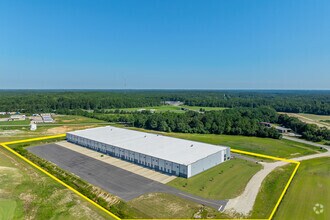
column 238, row 121
column 314, row 102
column 246, row 109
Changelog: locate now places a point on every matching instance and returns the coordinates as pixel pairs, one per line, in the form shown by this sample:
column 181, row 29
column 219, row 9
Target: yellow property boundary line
column 116, row 217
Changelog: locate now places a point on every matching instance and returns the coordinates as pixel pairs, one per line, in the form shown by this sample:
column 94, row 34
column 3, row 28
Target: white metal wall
column 153, row 162
column 206, row 163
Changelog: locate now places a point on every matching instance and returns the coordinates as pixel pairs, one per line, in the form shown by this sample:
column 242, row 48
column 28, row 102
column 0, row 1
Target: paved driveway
column 119, row 182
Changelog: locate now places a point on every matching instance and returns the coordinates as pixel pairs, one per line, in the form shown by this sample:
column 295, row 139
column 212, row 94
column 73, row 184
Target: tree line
column 314, row 102
column 236, row 121
column 309, row 132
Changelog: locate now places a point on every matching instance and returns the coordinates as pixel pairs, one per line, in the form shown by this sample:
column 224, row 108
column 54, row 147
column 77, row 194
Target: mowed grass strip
column 272, row 147
column 270, row 191
column 7, row 208
column 310, row 186
column 224, row 181
column 167, row 206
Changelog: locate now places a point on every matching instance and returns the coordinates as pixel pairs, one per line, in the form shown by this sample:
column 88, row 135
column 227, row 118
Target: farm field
column 28, row 194
column 309, row 187
column 224, row 181
column 164, row 206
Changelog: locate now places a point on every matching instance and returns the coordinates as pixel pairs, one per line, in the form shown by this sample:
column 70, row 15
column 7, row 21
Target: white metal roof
column 171, row 149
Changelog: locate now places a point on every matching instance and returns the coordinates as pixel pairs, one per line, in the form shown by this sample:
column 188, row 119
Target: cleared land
column 319, row 120
column 309, row 187
column 28, row 194
column 224, row 181
column 17, row 130
column 171, row 108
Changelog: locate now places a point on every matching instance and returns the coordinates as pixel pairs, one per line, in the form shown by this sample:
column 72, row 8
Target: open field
column 171, row 108
column 319, row 120
column 162, row 205
column 64, row 123
column 197, row 108
column 23, row 122
column 28, row 194
column 267, row 146
column 273, row 147
column 224, row 181
column 309, row 187
column 271, row 189
column 74, row 119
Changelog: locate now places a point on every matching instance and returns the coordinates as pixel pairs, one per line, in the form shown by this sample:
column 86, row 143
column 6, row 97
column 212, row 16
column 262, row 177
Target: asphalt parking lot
column 122, row 183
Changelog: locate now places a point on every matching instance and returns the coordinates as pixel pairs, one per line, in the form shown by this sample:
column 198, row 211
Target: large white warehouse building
column 165, row 154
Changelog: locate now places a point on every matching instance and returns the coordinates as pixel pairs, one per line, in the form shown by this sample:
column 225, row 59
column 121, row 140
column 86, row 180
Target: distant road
column 51, row 124
column 306, row 142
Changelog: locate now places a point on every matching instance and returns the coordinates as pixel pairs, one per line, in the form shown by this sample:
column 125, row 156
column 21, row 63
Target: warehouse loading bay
column 121, row 178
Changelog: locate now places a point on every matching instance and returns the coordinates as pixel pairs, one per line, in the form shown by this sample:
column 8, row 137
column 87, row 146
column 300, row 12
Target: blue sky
column 182, row 44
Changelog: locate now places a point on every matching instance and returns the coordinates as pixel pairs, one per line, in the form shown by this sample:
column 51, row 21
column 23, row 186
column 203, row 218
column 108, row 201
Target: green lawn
column 7, row 209
column 197, row 108
column 274, row 147
column 310, row 186
column 166, row 206
column 74, row 119
column 24, row 122
column 224, row 181
column 270, row 191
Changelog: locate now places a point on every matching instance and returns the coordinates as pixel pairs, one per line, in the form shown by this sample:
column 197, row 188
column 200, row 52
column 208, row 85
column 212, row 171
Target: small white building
column 164, row 154
column 33, row 126
column 17, row 117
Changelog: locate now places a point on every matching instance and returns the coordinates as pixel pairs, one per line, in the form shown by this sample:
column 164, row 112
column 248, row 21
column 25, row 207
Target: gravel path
column 244, row 203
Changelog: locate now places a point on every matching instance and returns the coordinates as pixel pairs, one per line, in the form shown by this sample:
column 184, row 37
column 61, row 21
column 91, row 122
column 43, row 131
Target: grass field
column 171, row 108
column 24, row 122
column 28, row 194
column 274, row 147
column 75, row 119
column 165, row 206
column 7, row 208
column 309, row 187
column 270, row 191
column 224, row 181
column 197, row 108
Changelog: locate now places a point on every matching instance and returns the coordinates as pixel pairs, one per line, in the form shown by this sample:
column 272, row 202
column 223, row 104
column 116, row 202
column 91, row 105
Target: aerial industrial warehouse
column 165, row 154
